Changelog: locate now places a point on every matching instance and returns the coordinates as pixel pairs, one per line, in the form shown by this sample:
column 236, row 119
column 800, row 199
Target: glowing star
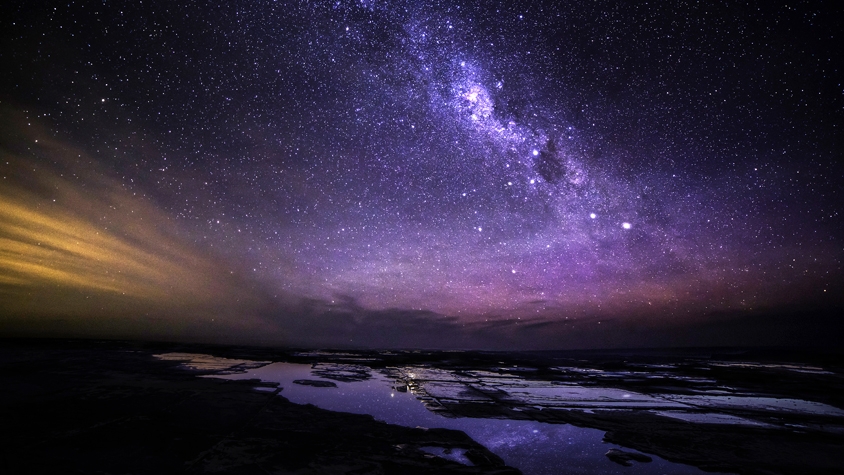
column 626, row 225
column 593, row 215
column 535, row 152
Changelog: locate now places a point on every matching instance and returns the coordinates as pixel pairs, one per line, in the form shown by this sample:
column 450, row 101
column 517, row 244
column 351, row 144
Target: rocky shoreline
column 111, row 408
column 114, row 407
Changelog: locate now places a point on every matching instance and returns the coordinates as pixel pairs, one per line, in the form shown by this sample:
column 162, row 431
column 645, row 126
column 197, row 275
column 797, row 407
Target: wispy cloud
column 81, row 246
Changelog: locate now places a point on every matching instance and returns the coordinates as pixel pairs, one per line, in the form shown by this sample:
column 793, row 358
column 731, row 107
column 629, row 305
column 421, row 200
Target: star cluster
column 481, row 164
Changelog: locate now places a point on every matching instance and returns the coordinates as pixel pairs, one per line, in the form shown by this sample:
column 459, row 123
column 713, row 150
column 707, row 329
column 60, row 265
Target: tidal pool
column 535, row 448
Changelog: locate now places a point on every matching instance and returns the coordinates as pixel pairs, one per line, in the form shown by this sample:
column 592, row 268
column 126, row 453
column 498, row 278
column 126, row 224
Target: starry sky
column 502, row 175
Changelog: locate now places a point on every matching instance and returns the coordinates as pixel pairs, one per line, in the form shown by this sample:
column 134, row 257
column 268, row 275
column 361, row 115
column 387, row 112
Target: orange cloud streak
column 79, row 248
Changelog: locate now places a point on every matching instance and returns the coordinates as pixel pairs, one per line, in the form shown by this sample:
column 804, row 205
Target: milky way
column 428, row 167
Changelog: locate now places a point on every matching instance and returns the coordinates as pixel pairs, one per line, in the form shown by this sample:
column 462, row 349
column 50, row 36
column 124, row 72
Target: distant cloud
column 82, row 251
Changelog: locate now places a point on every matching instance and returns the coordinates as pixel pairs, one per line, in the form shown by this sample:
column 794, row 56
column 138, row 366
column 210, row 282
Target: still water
column 535, row 448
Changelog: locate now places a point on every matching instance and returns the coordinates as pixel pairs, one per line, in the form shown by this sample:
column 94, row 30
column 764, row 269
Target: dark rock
column 315, row 383
column 484, row 458
column 623, row 457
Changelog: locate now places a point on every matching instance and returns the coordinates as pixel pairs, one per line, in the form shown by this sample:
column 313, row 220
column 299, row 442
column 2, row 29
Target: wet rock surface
column 761, row 411
column 346, row 373
column 721, row 413
column 111, row 408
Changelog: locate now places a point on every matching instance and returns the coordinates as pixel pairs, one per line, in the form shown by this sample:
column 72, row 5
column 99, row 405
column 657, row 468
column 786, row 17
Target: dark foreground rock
column 109, row 408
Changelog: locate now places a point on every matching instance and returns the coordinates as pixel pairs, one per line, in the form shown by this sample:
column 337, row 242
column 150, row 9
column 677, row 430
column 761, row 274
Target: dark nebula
column 549, row 165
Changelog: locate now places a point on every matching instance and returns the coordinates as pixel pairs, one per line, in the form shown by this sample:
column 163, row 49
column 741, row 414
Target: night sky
column 423, row 173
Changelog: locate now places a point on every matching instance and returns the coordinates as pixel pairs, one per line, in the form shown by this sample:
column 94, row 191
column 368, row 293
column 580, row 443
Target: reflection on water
column 533, row 447
column 726, row 413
